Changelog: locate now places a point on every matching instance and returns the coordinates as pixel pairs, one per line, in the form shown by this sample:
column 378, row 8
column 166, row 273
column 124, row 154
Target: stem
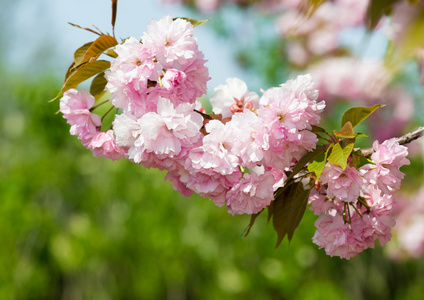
column 110, row 109
column 356, row 210
column 404, row 139
column 206, row 116
column 97, row 105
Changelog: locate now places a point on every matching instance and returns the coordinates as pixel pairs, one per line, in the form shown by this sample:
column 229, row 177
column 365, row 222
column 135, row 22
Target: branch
column 404, row 139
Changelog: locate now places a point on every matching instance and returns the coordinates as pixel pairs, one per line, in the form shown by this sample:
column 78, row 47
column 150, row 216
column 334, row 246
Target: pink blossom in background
column 408, row 232
column 421, row 64
column 333, row 78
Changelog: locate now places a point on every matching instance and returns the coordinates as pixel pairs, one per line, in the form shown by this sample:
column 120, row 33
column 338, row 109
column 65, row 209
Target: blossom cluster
column 355, row 206
column 241, row 153
column 237, row 158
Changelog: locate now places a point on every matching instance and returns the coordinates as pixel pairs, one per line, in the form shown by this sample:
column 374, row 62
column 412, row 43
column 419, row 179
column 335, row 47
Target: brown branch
column 404, row 139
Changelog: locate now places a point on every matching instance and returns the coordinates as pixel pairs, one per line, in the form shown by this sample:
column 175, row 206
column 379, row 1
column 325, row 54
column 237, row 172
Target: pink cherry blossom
column 250, row 138
column 75, row 106
column 103, row 144
column 344, row 185
column 173, row 41
column 215, row 154
column 133, row 67
column 173, row 79
column 251, row 194
column 234, row 92
column 171, row 128
column 388, row 157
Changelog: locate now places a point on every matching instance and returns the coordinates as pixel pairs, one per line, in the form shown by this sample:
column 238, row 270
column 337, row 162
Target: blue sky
column 34, row 23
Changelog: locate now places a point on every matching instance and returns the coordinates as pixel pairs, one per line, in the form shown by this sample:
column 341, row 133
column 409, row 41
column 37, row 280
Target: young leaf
column 356, row 115
column 194, row 22
column 101, row 44
column 317, row 129
column 308, row 157
column 252, row 221
column 114, row 10
column 376, row 9
column 318, row 164
column 98, row 84
column 80, row 53
column 288, row 209
column 341, row 151
column 346, row 131
column 83, row 73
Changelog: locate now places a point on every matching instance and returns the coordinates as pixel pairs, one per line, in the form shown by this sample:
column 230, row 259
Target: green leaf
column 83, row 73
column 318, row 164
column 194, row 22
column 288, row 209
column 317, row 129
column 356, row 115
column 98, row 84
column 308, row 157
column 252, row 221
column 341, row 151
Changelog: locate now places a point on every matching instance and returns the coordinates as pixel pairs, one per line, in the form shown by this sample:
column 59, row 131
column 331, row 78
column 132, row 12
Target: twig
column 404, row 139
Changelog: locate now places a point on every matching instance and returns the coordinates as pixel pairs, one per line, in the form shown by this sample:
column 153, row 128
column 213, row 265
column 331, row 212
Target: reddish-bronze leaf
column 83, row 73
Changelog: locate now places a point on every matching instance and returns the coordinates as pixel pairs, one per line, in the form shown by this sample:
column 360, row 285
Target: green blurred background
column 77, row 227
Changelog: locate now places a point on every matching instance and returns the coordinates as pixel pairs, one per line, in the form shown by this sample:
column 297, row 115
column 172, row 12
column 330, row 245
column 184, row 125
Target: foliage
column 79, row 227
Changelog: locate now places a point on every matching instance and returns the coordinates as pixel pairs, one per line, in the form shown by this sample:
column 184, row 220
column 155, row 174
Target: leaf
column 111, row 53
column 98, row 84
column 114, row 10
column 308, row 157
column 252, row 221
column 308, row 7
column 83, row 73
column 356, row 115
column 80, row 53
column 194, row 22
column 101, row 44
column 341, row 151
column 317, row 129
column 376, row 9
column 318, row 164
column 346, row 131
column 84, row 28
column 288, row 209
column 297, row 210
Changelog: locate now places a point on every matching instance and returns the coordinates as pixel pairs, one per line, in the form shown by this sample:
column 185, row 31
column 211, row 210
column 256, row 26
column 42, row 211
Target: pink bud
column 235, row 108
column 248, row 105
column 173, row 78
